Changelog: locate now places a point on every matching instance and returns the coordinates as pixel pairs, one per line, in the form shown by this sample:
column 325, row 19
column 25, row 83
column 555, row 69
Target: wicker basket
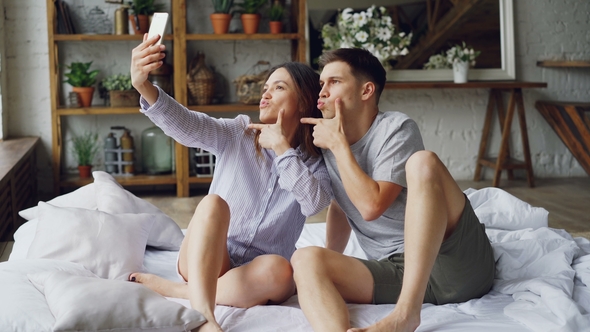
column 249, row 86
column 200, row 81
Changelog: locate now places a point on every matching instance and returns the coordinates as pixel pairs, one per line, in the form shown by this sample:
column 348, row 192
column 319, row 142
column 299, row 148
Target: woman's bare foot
column 394, row 322
column 210, row 326
column 160, row 285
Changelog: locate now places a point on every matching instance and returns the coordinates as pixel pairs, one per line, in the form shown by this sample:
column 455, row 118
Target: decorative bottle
column 127, row 144
column 110, row 154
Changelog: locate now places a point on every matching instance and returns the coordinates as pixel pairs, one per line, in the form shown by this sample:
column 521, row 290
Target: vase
column 220, row 22
column 84, row 171
column 460, row 71
column 143, row 21
column 276, row 27
column 157, row 151
column 85, row 94
column 250, row 23
column 200, row 81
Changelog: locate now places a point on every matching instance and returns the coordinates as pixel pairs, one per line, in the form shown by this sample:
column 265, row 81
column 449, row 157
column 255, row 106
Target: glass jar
column 157, row 151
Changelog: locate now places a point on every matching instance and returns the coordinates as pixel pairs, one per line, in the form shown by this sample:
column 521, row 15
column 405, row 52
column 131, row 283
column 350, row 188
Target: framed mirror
column 436, row 25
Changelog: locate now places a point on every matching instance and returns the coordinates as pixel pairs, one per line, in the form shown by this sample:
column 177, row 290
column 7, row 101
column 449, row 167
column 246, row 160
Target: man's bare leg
column 325, row 281
column 434, row 206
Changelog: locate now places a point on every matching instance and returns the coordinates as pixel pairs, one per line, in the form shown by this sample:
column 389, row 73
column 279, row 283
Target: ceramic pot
column 460, row 71
column 84, row 171
column 144, row 24
column 220, row 22
column 250, row 23
column 276, row 27
column 85, row 94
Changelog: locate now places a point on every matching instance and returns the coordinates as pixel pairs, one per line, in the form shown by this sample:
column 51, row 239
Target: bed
column 69, row 263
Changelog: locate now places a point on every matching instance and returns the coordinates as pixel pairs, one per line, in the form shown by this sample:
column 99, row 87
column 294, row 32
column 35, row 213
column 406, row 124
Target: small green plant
column 250, row 6
column 85, row 148
column 145, row 7
column 79, row 75
column 117, row 82
column 276, row 12
column 222, row 6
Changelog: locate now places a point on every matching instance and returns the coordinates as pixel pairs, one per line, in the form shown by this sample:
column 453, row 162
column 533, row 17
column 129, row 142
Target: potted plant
column 82, row 81
column 377, row 34
column 221, row 17
column 121, row 92
column 141, row 11
column 250, row 16
column 85, row 148
column 276, row 16
column 458, row 57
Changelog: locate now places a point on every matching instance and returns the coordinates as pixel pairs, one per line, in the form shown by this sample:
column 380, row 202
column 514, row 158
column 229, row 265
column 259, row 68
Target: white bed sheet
column 542, row 281
column 531, row 263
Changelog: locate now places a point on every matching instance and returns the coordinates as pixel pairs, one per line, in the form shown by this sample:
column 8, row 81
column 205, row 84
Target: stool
column 504, row 161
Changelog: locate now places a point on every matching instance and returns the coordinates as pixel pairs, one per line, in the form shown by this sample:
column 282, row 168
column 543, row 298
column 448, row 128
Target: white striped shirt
column 269, row 197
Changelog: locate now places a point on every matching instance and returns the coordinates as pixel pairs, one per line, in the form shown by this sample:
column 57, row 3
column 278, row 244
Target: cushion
column 82, row 303
column 23, row 238
column 111, row 246
column 83, row 197
column 498, row 209
column 22, row 306
column 112, row 198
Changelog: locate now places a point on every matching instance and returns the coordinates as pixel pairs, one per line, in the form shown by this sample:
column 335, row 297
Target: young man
column 412, row 220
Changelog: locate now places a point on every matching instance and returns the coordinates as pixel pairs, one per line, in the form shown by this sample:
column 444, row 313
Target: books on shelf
column 64, row 20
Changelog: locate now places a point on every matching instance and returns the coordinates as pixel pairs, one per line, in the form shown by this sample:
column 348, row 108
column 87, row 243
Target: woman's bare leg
column 203, row 258
column 267, row 279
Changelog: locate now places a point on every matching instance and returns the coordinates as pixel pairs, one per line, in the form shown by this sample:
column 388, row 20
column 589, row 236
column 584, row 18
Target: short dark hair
column 362, row 64
column 307, row 87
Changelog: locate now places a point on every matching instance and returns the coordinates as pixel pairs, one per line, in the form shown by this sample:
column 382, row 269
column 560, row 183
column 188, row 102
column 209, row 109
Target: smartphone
column 158, row 26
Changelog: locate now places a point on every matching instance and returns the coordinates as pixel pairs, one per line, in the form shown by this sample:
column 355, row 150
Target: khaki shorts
column 464, row 268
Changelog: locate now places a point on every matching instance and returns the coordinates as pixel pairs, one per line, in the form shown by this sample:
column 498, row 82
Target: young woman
column 268, row 178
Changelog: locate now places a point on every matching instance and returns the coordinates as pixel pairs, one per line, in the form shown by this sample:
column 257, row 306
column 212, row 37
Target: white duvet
column 541, row 282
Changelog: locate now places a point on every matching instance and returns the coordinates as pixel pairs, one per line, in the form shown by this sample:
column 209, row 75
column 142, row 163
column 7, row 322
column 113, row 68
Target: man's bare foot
column 160, row 285
column 394, row 322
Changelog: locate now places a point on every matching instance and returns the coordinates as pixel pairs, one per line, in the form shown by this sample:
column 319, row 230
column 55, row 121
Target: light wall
column 3, row 85
column 451, row 120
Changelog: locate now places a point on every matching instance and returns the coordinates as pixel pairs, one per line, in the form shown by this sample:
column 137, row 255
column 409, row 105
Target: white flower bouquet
column 457, row 53
column 372, row 30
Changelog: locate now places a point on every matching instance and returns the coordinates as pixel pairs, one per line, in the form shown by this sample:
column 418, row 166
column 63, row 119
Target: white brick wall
column 3, row 94
column 451, row 120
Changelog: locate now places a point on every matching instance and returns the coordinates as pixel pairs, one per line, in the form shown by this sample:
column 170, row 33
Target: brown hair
column 362, row 64
column 307, row 88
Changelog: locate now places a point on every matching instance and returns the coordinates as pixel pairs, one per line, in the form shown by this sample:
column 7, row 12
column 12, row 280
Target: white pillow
column 23, row 238
column 498, row 209
column 83, row 197
column 22, row 306
column 112, row 198
column 111, row 246
column 81, row 303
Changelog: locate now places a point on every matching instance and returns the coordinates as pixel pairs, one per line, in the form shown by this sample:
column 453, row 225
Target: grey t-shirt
column 382, row 154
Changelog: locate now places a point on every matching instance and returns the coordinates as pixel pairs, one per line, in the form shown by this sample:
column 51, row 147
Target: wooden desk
column 18, row 181
column 495, row 101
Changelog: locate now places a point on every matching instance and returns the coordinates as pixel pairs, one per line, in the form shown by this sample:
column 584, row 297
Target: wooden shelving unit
column 564, row 63
column 179, row 38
